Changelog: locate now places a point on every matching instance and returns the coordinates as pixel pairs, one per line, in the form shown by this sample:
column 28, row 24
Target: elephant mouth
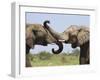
column 43, row 43
column 74, row 45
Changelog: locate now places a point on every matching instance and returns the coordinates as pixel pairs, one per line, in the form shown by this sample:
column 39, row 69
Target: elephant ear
column 29, row 39
column 83, row 36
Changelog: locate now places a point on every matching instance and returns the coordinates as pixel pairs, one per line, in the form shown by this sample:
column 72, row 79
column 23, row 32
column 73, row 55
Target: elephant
column 37, row 34
column 77, row 36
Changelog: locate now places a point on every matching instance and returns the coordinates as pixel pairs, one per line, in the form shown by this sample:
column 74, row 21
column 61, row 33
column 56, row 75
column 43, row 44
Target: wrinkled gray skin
column 77, row 36
column 37, row 34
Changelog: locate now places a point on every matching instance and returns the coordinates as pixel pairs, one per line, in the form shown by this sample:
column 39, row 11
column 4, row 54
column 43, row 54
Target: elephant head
column 74, row 35
column 77, row 36
column 37, row 34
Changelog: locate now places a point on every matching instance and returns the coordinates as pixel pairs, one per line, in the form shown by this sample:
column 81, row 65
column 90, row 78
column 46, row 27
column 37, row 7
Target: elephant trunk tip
column 60, row 48
column 55, row 52
column 45, row 23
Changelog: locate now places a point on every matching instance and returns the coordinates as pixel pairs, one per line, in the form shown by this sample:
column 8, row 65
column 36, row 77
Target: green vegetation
column 48, row 59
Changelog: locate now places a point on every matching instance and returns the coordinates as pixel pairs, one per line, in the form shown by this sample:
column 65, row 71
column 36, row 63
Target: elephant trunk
column 56, row 35
column 60, row 48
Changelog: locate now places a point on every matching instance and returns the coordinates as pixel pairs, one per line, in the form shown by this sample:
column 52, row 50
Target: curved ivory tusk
column 61, row 40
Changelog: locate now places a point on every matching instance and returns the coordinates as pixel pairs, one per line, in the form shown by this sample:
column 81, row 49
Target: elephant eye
column 74, row 39
column 34, row 32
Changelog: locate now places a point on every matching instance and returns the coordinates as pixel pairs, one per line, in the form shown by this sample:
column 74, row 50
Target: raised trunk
column 56, row 35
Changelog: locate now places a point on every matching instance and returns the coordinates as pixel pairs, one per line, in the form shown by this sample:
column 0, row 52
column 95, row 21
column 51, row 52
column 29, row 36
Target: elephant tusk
column 61, row 40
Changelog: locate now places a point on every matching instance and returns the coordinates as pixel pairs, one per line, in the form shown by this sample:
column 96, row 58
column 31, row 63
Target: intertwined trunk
column 56, row 35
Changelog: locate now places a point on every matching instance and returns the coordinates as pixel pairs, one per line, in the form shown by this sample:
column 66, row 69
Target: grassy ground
column 47, row 59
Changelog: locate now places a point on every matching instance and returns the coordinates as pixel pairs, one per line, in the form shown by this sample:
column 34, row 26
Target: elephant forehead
column 36, row 27
column 73, row 28
column 74, row 33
